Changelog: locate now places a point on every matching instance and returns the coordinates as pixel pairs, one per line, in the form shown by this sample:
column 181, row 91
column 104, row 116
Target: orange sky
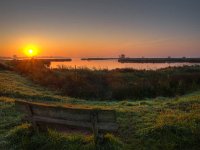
column 80, row 47
column 101, row 29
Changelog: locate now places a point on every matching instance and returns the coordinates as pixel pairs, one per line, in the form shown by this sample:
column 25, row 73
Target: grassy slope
column 167, row 123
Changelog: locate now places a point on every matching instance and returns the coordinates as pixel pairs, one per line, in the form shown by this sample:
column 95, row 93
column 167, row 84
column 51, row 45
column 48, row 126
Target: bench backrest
column 101, row 120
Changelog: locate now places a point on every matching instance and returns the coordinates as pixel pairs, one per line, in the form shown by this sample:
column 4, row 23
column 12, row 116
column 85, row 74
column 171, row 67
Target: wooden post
column 94, row 120
column 30, row 115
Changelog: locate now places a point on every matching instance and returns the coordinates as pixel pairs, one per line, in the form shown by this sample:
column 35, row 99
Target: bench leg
column 30, row 115
column 95, row 127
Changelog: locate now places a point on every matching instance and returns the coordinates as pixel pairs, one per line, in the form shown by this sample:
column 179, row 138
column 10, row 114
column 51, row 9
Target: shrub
column 3, row 66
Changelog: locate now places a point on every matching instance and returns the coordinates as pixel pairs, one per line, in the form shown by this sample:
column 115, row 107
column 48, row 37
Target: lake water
column 113, row 64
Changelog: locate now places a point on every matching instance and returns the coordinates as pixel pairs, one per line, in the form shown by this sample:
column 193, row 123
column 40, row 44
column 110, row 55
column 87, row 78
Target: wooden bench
column 95, row 120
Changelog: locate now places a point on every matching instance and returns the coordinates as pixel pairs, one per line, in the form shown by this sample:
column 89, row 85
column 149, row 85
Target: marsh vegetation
column 117, row 84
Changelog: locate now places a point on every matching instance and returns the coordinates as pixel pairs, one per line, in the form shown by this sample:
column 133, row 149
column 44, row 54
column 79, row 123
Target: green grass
column 23, row 137
column 15, row 86
column 9, row 118
column 161, row 123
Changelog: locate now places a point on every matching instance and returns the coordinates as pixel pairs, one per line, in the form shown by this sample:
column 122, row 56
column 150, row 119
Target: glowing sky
column 101, row 28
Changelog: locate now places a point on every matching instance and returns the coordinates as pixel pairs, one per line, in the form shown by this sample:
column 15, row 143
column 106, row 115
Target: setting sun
column 31, row 51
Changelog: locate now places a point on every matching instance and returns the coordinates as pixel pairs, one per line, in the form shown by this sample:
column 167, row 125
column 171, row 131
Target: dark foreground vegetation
column 118, row 84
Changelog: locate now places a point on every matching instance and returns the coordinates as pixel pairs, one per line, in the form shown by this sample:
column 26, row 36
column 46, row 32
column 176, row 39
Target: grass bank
column 159, row 123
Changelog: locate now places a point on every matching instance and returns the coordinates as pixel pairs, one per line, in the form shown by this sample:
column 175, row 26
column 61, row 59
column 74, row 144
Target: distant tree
column 122, row 56
column 15, row 57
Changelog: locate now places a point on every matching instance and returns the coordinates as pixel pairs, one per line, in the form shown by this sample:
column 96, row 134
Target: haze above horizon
column 101, row 28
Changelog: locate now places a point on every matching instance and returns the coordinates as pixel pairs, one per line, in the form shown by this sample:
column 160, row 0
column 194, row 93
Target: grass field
column 160, row 123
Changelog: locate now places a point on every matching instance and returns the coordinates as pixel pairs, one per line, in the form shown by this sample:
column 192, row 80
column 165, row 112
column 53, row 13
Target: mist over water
column 113, row 64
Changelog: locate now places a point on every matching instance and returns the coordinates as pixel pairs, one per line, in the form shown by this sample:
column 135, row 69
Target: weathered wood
column 64, row 122
column 94, row 119
column 62, row 113
column 68, row 113
column 107, row 116
column 102, row 126
column 30, row 115
column 87, row 118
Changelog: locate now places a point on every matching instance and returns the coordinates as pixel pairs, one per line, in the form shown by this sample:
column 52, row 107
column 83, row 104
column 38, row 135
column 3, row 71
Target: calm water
column 112, row 64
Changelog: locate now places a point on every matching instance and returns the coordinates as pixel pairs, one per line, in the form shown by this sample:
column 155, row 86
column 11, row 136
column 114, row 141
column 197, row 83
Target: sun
column 31, row 51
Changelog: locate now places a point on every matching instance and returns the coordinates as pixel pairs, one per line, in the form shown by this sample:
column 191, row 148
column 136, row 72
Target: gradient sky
column 101, row 28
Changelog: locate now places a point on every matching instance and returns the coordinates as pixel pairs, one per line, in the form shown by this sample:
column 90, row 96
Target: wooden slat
column 107, row 116
column 20, row 102
column 64, row 122
column 62, row 113
column 101, row 126
column 112, row 127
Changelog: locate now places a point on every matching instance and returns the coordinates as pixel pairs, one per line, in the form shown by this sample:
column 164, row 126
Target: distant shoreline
column 159, row 60
column 88, row 59
column 120, row 60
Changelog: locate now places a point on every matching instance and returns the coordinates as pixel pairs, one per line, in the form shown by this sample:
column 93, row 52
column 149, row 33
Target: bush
column 3, row 66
